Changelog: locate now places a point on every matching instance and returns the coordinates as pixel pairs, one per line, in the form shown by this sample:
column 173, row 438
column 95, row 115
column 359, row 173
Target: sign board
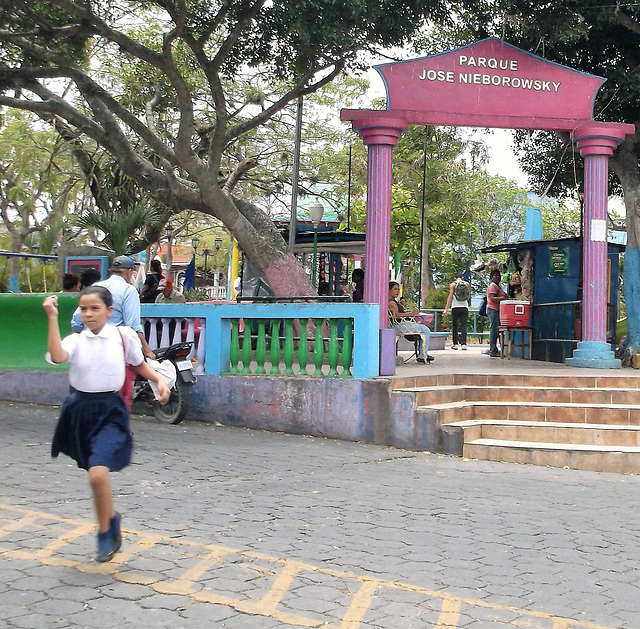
column 493, row 84
column 78, row 264
column 558, row 261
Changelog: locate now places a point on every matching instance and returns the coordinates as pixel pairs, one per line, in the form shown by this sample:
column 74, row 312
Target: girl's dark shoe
column 114, row 526
column 109, row 542
column 107, row 547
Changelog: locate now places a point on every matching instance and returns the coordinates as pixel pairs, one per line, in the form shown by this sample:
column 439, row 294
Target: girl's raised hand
column 50, row 305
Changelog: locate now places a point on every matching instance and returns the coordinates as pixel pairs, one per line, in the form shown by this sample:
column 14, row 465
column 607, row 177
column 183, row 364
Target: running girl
column 93, row 427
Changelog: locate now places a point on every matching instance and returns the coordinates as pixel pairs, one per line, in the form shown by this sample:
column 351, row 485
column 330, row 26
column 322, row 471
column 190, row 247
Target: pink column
column 380, row 135
column 596, row 142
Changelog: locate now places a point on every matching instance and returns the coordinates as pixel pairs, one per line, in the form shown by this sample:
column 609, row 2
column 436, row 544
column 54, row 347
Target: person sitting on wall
column 404, row 323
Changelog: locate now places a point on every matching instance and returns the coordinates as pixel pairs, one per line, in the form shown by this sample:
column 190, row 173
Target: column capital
column 380, row 130
column 600, row 138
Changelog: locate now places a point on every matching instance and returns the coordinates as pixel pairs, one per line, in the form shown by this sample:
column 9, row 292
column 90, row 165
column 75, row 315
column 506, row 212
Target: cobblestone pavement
column 241, row 529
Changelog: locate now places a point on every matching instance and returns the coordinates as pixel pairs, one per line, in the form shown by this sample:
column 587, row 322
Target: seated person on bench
column 403, row 322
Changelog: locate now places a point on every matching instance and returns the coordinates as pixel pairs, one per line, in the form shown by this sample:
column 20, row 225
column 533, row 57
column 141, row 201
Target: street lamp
column 316, row 210
column 168, row 230
column 206, row 255
column 195, row 241
column 218, row 243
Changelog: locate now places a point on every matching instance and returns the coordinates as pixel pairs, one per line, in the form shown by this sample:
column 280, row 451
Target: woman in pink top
column 494, row 296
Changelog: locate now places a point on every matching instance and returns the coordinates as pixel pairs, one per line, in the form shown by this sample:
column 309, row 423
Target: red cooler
column 514, row 313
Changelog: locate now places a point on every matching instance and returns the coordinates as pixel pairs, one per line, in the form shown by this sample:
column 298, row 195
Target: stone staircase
column 579, row 422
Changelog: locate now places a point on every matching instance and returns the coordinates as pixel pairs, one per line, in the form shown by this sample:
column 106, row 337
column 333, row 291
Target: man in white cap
column 168, row 294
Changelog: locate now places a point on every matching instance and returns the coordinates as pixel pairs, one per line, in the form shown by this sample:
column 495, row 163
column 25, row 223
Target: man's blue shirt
column 126, row 304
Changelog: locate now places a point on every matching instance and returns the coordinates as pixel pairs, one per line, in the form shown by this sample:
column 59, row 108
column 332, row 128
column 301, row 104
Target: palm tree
column 120, row 227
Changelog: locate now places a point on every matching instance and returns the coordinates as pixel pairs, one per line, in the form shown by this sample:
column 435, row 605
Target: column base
column 594, row 355
column 387, row 352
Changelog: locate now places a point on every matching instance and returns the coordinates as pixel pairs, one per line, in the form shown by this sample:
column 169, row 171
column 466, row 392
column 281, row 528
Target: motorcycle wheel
column 174, row 411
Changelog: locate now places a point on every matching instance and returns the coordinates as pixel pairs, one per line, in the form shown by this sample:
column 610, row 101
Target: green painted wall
column 23, row 329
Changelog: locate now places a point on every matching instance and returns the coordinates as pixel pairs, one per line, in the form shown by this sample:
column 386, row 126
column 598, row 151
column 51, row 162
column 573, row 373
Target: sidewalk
column 475, row 361
column 239, row 529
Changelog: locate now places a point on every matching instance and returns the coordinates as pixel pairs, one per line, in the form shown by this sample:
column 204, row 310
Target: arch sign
column 493, row 84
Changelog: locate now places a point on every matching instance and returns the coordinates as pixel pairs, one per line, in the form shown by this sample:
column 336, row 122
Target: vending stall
column 543, row 279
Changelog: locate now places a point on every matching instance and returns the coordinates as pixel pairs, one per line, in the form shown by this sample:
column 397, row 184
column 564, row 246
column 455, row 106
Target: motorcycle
column 178, row 372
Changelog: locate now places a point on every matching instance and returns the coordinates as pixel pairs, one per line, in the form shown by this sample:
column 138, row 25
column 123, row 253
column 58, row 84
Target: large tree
column 200, row 77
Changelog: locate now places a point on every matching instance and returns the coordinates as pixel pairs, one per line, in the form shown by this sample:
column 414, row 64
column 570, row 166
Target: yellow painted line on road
column 360, row 605
column 186, row 583
column 449, row 614
column 64, row 540
column 209, row 556
column 268, row 604
column 16, row 525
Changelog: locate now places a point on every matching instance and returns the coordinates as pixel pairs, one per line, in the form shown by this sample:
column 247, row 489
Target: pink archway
column 493, row 84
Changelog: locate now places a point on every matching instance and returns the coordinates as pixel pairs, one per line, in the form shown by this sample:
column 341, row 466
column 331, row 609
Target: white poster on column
column 598, row 230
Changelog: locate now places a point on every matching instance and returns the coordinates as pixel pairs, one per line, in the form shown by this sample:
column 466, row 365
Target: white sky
column 502, row 160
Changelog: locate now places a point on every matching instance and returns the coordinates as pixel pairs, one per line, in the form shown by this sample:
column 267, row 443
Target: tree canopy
column 196, row 80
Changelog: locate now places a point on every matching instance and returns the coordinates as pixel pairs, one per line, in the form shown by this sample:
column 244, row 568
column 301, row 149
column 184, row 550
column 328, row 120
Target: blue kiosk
column 553, row 269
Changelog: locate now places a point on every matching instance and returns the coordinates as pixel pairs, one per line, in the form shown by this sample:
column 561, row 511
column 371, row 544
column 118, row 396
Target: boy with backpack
column 458, row 299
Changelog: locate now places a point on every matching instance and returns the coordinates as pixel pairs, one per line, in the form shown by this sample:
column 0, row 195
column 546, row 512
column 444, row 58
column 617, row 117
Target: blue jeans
column 494, row 319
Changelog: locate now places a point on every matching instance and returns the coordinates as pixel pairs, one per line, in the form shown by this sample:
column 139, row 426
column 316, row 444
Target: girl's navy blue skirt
column 93, row 429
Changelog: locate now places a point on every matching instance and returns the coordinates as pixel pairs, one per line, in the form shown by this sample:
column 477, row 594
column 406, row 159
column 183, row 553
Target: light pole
column 316, row 210
column 168, row 230
column 206, row 253
column 218, row 243
column 195, row 241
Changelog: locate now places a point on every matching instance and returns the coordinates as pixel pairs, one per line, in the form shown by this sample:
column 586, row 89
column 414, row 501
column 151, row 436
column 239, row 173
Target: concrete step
column 589, row 422
column 517, row 380
column 618, row 459
column 549, row 432
column 430, row 395
column 613, row 414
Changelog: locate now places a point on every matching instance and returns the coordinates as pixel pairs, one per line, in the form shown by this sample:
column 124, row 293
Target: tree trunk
column 261, row 241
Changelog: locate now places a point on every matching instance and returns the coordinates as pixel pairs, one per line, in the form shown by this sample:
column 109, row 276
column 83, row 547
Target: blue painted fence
column 209, row 325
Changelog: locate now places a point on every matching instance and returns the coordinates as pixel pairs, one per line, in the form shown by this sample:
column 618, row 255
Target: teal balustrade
column 341, row 339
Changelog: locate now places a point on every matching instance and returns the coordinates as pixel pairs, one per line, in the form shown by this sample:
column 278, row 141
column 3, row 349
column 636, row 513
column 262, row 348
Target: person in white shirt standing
column 458, row 299
column 93, row 427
